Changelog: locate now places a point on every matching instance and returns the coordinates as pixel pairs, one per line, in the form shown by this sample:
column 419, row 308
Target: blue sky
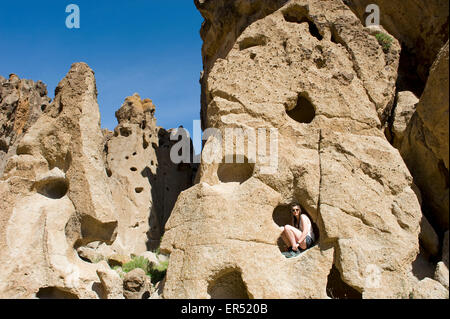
column 146, row 46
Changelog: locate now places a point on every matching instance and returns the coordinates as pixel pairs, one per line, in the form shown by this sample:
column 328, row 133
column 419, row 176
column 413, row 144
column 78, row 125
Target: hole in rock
column 320, row 63
column 144, row 142
column 124, row 131
column 3, row 146
column 228, row 285
column 282, row 217
column 55, row 293
column 133, row 169
column 53, row 188
column 249, row 42
column 91, row 230
column 338, row 289
column 303, row 112
column 139, row 190
column 296, row 14
column 108, row 172
column 43, row 107
column 235, row 172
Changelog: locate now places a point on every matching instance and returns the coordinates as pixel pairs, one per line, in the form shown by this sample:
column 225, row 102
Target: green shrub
column 158, row 272
column 385, row 41
column 137, row 262
column 155, row 272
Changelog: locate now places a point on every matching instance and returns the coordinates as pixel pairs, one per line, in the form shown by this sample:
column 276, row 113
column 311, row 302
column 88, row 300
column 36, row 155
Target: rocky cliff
column 300, row 102
column 313, row 72
column 73, row 195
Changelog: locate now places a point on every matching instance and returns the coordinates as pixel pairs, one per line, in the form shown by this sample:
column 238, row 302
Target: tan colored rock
column 55, row 198
column 22, row 102
column 422, row 27
column 425, row 146
column 112, row 284
column 85, row 207
column 429, row 289
column 442, row 275
column 313, row 72
column 118, row 260
column 151, row 257
column 137, row 285
column 144, row 182
column 404, row 110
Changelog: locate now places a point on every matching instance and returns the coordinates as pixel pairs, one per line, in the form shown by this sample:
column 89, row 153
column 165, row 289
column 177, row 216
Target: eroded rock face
column 405, row 107
column 77, row 200
column 311, row 71
column 21, row 104
column 421, row 26
column 144, row 181
column 425, row 145
column 56, row 197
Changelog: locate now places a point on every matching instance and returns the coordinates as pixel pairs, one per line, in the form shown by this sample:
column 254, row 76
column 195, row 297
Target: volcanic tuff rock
column 421, row 27
column 78, row 200
column 405, row 107
column 313, row 72
column 56, row 197
column 21, row 103
column 139, row 166
column 425, row 146
column 66, row 204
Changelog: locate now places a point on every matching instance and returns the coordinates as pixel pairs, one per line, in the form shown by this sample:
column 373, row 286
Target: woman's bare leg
column 285, row 239
column 293, row 235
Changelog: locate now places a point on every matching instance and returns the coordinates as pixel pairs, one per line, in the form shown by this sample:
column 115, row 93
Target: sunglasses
column 295, row 210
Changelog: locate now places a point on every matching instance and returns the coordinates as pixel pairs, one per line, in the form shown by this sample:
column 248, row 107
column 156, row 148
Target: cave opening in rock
column 125, row 131
column 338, row 289
column 299, row 15
column 304, row 111
column 235, row 172
column 54, row 188
column 282, row 217
column 55, row 293
column 139, row 190
column 228, row 284
column 249, row 42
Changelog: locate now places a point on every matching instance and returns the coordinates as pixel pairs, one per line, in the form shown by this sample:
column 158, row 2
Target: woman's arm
column 305, row 226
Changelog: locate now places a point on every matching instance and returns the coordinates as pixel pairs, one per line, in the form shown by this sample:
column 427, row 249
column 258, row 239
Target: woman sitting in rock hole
column 299, row 235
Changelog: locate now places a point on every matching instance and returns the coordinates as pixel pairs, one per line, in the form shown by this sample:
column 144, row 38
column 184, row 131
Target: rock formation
column 299, row 102
column 420, row 26
column 139, row 166
column 70, row 196
column 21, row 103
column 312, row 71
column 56, row 197
column 425, row 145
